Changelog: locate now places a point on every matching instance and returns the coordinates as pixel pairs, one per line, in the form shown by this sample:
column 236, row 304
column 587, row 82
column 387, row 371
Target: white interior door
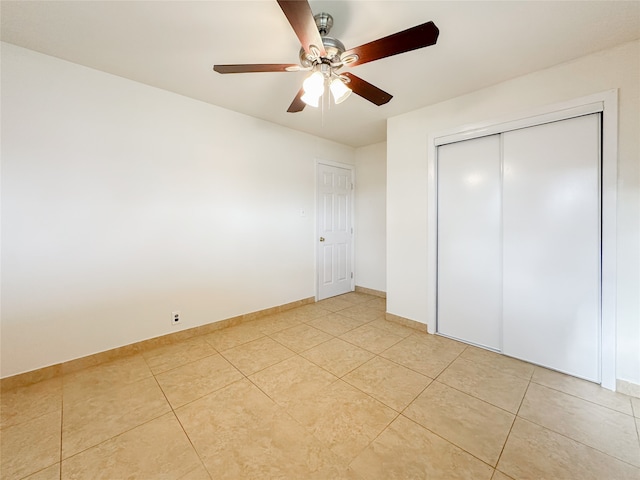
column 335, row 231
column 469, row 241
column 551, row 252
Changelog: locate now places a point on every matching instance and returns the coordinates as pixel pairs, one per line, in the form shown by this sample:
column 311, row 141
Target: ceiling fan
column 324, row 56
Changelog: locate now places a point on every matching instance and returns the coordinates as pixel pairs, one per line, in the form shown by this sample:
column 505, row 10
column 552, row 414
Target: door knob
column 322, row 239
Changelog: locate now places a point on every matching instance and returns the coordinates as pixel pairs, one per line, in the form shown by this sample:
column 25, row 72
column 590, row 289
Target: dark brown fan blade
column 300, row 16
column 297, row 105
column 411, row 39
column 366, row 90
column 256, row 67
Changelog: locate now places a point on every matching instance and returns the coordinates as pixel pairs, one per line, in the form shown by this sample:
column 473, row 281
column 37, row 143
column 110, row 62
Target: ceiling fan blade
column 366, row 90
column 300, row 16
column 257, row 67
column 297, row 105
column 411, row 39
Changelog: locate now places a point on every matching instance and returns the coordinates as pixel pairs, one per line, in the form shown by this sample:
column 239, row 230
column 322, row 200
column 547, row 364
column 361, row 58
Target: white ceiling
column 173, row 45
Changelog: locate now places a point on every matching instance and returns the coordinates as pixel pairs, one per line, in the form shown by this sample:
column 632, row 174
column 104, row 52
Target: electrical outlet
column 175, row 318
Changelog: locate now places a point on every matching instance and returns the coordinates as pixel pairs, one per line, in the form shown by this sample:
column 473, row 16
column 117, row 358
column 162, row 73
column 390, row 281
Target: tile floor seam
column 235, row 346
column 449, row 364
column 450, row 442
column 371, row 396
column 215, row 352
column 364, row 348
column 285, row 410
column 173, row 409
column 61, row 425
column 384, row 331
column 416, row 397
column 264, row 368
column 353, row 344
column 205, row 394
column 38, row 471
column 265, row 393
column 577, row 441
column 352, row 370
column 155, row 378
column 22, row 422
column 405, row 366
column 517, row 413
column 320, row 366
column 66, row 459
column 484, row 365
column 586, row 399
column 307, row 349
column 515, row 417
column 346, row 331
column 190, row 442
column 89, row 447
column 473, row 396
column 374, row 438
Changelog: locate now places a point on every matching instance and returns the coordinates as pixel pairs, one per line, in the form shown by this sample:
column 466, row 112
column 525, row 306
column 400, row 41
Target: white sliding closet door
column 469, row 243
column 519, row 244
column 551, row 245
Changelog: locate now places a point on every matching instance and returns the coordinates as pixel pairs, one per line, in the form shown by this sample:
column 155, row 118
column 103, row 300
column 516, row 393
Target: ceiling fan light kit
column 324, row 56
column 339, row 90
column 315, row 85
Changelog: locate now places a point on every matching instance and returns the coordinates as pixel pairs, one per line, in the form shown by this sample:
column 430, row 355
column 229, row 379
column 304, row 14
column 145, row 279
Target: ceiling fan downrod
column 324, row 22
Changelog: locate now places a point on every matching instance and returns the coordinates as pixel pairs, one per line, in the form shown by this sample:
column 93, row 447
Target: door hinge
column 351, row 274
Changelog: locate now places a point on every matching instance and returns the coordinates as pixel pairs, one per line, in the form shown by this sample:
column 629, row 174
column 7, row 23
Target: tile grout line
column 398, row 413
column 586, row 399
column 337, row 379
column 190, row 362
column 449, row 364
column 450, row 442
column 581, row 443
column 563, row 434
column 473, row 396
column 175, row 415
column 126, row 430
column 195, row 450
column 376, row 437
column 515, row 417
column 62, row 382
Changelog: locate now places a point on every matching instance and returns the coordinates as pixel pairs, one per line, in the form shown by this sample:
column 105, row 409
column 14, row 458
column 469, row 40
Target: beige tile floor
column 326, row 391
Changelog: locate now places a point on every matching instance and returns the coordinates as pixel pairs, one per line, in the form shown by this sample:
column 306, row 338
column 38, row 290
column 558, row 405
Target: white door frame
column 352, row 170
column 604, row 102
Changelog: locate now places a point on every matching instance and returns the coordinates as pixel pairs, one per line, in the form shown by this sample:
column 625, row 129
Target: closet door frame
column 605, row 103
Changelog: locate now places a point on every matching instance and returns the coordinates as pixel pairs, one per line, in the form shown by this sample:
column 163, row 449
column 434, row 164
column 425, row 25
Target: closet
column 519, row 243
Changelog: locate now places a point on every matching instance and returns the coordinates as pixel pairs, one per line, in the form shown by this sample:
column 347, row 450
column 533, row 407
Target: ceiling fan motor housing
column 332, row 46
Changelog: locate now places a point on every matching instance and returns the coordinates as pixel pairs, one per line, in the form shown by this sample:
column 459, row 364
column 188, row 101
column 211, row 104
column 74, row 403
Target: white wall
column 122, row 203
column 370, row 217
column 407, row 178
